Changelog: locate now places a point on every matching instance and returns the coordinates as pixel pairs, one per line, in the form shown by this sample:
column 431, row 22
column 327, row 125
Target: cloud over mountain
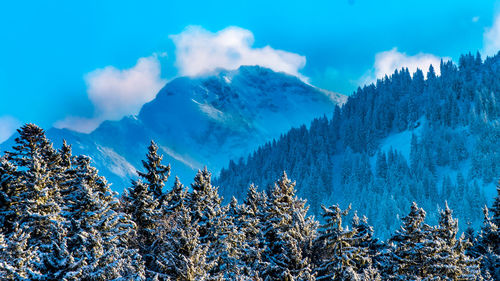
column 491, row 38
column 116, row 93
column 388, row 61
column 200, row 52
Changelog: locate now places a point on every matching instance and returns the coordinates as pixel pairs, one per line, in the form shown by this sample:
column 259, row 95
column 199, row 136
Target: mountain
column 406, row 138
column 201, row 121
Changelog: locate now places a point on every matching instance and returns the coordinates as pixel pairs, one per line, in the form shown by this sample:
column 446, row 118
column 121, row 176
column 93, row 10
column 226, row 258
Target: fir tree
column 488, row 247
column 205, row 206
column 412, row 247
column 344, row 254
column 449, row 260
column 495, row 208
column 156, row 173
column 99, row 233
column 33, row 213
column 289, row 233
column 181, row 253
column 140, row 204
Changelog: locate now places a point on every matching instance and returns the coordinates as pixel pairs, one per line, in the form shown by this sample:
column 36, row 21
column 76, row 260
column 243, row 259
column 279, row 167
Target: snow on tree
column 156, row 173
column 488, row 247
column 140, row 204
column 36, row 218
column 288, row 233
column 344, row 254
column 180, row 252
column 99, row 233
column 413, row 247
column 449, row 259
column 495, row 208
column 205, row 206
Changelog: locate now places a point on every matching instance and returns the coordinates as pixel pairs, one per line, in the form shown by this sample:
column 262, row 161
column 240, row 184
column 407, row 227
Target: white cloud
column 80, row 124
column 491, row 38
column 200, row 52
column 8, row 126
column 475, row 19
column 388, row 61
column 116, row 93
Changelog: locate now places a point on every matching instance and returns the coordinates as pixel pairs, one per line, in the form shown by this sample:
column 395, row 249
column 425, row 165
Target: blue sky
column 75, row 63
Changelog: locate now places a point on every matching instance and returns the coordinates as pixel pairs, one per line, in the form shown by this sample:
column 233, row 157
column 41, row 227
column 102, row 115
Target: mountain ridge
column 203, row 121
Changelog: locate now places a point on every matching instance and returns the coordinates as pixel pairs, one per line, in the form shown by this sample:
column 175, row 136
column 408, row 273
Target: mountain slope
column 403, row 139
column 202, row 121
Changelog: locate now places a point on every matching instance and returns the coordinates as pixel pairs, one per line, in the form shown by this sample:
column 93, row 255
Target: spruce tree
column 34, row 216
column 99, row 233
column 205, row 206
column 288, row 233
column 449, row 260
column 412, row 247
column 488, row 247
column 495, row 208
column 344, row 254
column 140, row 204
column 156, row 173
column 181, row 254
column 251, row 222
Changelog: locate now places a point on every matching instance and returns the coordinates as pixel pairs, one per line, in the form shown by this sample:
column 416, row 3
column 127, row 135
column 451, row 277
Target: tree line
column 407, row 137
column 59, row 220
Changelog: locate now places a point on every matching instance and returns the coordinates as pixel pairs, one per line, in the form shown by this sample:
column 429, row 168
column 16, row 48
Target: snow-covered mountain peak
column 204, row 121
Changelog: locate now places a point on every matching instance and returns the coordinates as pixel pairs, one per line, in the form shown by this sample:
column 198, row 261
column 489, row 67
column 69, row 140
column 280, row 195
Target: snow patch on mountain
column 117, row 164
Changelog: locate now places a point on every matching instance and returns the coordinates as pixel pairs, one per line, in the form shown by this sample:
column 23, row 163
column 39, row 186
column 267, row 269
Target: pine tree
column 140, row 204
column 449, row 259
column 181, row 254
column 99, row 233
column 412, row 247
column 33, row 213
column 205, row 206
column 251, row 222
column 344, row 254
column 495, row 208
column 232, row 247
column 156, row 173
column 207, row 214
column 488, row 247
column 289, row 233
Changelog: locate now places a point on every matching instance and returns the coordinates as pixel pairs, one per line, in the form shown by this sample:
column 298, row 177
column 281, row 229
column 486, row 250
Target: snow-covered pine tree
column 488, row 247
column 449, row 260
column 34, row 219
column 232, row 247
column 156, row 173
column 175, row 199
column 9, row 194
column 413, row 248
column 173, row 209
column 180, row 252
column 343, row 253
column 208, row 215
column 99, row 233
column 251, row 222
column 288, row 233
column 139, row 202
column 205, row 205
column 369, row 247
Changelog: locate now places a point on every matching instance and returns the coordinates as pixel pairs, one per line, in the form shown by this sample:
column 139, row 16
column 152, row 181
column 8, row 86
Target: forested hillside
column 59, row 220
column 409, row 137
